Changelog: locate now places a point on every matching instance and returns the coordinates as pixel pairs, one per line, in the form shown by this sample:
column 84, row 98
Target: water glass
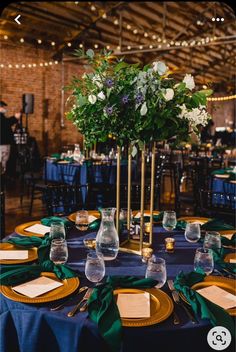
column 81, row 220
column 58, row 251
column 212, row 240
column 57, row 230
column 204, row 260
column 156, row 269
column 192, row 232
column 94, row 267
column 169, row 220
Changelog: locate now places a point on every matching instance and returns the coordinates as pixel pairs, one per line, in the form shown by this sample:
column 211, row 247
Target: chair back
column 2, row 216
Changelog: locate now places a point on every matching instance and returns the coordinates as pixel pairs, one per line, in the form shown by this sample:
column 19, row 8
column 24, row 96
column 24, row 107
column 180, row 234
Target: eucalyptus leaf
column 134, row 151
column 90, row 53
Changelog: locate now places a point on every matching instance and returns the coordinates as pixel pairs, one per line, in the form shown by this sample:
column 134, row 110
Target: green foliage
column 131, row 103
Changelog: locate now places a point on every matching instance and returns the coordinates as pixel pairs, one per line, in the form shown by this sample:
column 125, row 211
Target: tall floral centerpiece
column 135, row 105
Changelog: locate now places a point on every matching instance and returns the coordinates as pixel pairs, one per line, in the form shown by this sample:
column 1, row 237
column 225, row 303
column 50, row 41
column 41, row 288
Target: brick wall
column 45, row 83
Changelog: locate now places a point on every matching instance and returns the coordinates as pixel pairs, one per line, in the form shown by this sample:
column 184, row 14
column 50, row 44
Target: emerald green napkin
column 222, row 171
column 232, row 176
column 216, row 225
column 229, row 242
column 50, row 219
column 218, row 255
column 103, row 310
column 15, row 274
column 202, row 306
column 56, row 155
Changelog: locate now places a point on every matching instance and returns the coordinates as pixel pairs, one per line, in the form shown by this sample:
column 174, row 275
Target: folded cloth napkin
column 218, row 255
column 229, row 242
column 15, row 274
column 56, row 155
column 216, row 225
column 50, row 219
column 202, row 306
column 103, row 310
column 222, row 171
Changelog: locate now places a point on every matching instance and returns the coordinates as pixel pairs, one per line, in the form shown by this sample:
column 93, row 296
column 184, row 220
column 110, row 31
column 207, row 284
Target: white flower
column 143, row 109
column 101, row 95
column 169, row 94
column 97, row 80
column 159, row 67
column 195, row 117
column 92, row 98
column 189, row 81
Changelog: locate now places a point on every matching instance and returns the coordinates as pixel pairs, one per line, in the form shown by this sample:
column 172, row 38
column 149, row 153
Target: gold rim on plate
column 95, row 213
column 229, row 256
column 33, row 254
column 225, row 283
column 20, row 229
column 161, row 307
column 200, row 220
column 69, row 286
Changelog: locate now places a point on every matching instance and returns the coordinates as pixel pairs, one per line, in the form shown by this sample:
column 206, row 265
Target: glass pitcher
column 107, row 240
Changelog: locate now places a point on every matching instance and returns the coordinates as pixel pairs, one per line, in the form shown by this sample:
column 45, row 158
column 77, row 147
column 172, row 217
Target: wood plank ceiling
column 143, row 31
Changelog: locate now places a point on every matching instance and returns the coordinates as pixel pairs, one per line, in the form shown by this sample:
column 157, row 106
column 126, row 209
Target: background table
column 35, row 328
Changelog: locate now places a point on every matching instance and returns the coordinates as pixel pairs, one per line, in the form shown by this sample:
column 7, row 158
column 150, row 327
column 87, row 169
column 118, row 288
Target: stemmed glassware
column 94, row 267
column 192, row 232
column 204, row 260
column 169, row 220
column 82, row 220
column 212, row 240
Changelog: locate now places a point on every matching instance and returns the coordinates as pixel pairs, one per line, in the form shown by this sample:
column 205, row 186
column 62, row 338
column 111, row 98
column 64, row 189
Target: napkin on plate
column 202, row 306
column 103, row 310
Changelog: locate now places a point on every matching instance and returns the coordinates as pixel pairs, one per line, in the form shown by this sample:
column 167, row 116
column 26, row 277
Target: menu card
column 134, row 305
column 37, row 286
column 233, row 261
column 91, row 218
column 218, row 296
column 15, row 254
column 38, row 228
column 138, row 215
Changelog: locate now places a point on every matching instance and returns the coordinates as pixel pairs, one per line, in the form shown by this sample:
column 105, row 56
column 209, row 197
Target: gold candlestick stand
column 133, row 245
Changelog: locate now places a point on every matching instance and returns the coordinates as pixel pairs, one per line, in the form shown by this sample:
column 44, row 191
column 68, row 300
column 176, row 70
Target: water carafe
column 107, row 240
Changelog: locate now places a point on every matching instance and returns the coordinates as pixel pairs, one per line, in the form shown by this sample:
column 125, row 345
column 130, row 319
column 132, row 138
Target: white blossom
column 97, row 80
column 195, row 116
column 189, row 81
column 101, row 95
column 169, row 94
column 92, row 98
column 143, row 109
column 159, row 67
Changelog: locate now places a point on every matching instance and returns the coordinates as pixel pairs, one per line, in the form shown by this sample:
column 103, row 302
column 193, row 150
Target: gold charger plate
column 200, row 220
column 95, row 213
column 222, row 282
column 20, row 229
column 229, row 256
column 33, row 255
column 69, row 286
column 160, row 303
column 221, row 176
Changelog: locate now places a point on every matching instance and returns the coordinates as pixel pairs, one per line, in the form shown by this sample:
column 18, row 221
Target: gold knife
column 83, row 288
column 85, row 298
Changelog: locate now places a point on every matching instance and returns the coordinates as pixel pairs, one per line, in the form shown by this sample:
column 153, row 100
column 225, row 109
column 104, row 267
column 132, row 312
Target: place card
column 218, row 296
column 138, row 215
column 134, row 305
column 15, row 254
column 38, row 229
column 37, row 287
column 91, row 218
column 233, row 261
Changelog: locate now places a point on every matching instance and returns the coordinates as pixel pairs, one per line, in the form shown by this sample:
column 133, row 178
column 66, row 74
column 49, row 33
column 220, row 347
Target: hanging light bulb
column 104, row 15
column 150, row 46
column 53, row 43
column 81, row 45
column 5, row 37
column 140, row 47
column 118, row 47
column 128, row 26
column 39, row 41
column 34, row 65
column 55, row 62
column 23, row 66
column 135, row 31
column 116, row 22
column 41, row 64
column 93, row 8
column 10, row 66
column 22, row 40
column 17, row 66
column 69, row 44
column 128, row 47
column 154, row 37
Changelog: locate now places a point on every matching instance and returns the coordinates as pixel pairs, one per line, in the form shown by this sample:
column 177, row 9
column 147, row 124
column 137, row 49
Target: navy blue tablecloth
column 27, row 328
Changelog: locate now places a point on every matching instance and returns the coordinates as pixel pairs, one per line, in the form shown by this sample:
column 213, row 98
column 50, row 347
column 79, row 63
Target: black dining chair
column 2, row 216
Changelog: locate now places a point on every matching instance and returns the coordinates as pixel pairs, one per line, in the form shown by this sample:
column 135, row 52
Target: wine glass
column 58, row 251
column 169, row 220
column 192, row 232
column 204, row 260
column 156, row 269
column 212, row 240
column 81, row 220
column 57, row 230
column 94, row 267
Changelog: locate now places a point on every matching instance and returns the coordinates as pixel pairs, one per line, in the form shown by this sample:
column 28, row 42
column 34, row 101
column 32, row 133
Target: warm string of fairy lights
column 30, row 65
column 229, row 97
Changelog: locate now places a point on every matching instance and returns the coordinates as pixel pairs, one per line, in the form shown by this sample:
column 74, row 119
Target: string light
column 53, row 43
column 95, row 46
column 128, row 27
column 93, row 8
column 108, row 47
column 33, row 65
column 104, row 15
column 39, row 41
column 150, row 46
column 22, row 40
column 145, row 34
column 116, row 22
column 229, row 97
column 135, row 31
column 118, row 47
column 69, row 44
column 128, row 47
column 81, row 45
column 1, row 65
column 5, row 37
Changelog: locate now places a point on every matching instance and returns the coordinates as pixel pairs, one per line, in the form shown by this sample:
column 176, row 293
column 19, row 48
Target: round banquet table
column 31, row 327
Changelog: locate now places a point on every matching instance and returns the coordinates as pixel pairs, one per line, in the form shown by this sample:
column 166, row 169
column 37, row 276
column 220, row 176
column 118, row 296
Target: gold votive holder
column 146, row 254
column 147, row 227
column 90, row 243
column 170, row 244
